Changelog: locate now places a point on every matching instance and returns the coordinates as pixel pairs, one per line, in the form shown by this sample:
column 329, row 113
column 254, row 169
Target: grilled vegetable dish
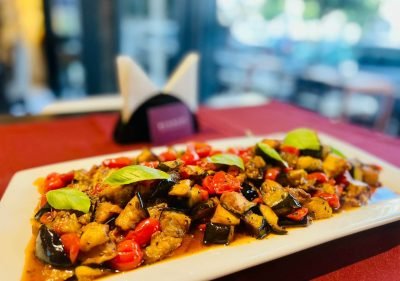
column 130, row 212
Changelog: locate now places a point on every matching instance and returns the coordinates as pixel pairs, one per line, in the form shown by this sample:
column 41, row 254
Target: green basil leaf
column 135, row 173
column 302, row 138
column 337, row 152
column 270, row 152
column 227, row 159
column 68, row 199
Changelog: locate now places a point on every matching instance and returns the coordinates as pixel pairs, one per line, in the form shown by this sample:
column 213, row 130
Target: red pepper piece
column 71, row 245
column 332, row 199
column 318, row 176
column 298, row 214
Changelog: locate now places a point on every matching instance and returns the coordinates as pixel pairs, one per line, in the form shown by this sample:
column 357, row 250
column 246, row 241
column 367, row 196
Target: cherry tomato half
column 221, row 182
column 118, row 162
column 129, row 256
column 290, row 150
column 143, row 231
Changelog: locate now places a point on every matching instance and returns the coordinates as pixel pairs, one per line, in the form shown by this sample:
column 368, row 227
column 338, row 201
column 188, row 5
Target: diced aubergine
column 284, row 221
column 181, row 189
column 218, row 233
column 132, row 214
column 249, row 191
column 50, row 249
column 272, row 219
column 162, row 188
column 286, row 206
column 316, row 153
column 173, row 223
column 223, row 216
column 272, row 193
column 256, row 224
column 204, row 210
column 46, row 208
column 168, row 166
column 318, row 208
column 236, row 202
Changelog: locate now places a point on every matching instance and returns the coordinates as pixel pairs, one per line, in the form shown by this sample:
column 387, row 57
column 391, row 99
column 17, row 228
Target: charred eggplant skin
column 46, row 208
column 218, row 233
column 249, row 191
column 49, row 248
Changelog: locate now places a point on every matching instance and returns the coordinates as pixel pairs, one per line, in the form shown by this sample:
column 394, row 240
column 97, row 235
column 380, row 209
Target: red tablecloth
column 370, row 255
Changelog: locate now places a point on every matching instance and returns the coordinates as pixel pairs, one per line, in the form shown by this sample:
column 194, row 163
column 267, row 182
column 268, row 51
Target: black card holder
column 138, row 128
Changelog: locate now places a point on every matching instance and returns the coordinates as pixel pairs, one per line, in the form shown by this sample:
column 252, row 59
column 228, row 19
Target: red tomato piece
column 201, row 227
column 169, row 155
column 318, row 176
column 272, row 173
column 118, row 162
column 56, row 180
column 71, row 245
column 290, row 150
column 332, row 199
column 190, row 157
column 221, row 182
column 129, row 256
column 143, row 231
column 298, row 214
column 202, row 149
column 150, row 164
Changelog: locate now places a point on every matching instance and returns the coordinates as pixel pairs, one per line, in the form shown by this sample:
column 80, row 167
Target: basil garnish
column 337, row 152
column 270, row 152
column 227, row 159
column 135, row 173
column 302, row 139
column 68, row 199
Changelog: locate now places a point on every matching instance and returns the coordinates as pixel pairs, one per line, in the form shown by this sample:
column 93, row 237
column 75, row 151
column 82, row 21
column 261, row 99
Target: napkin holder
column 152, row 115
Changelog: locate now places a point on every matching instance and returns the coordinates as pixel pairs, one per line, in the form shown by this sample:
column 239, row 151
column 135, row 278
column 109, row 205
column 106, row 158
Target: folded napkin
column 152, row 114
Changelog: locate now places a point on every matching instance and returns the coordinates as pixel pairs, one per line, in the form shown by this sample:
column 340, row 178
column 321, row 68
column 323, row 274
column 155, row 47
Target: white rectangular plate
column 21, row 198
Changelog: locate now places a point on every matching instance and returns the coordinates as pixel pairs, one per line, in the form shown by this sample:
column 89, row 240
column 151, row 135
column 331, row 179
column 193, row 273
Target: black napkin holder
column 149, row 123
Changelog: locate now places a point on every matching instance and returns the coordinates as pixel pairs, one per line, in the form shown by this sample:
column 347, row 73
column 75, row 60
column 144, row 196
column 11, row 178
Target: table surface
column 369, row 255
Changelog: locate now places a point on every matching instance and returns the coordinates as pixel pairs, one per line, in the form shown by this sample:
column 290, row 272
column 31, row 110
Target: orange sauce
column 35, row 270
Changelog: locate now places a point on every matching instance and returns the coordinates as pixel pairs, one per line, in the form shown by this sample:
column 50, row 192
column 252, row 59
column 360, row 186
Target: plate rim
column 227, row 270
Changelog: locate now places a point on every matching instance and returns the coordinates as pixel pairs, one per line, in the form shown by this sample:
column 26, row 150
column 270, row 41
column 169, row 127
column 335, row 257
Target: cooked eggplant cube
column 236, row 202
column 286, row 206
column 223, row 216
column 249, row 191
column 284, row 221
column 181, row 189
column 256, row 224
column 50, row 249
column 168, row 166
column 312, row 152
column 162, row 189
column 272, row 193
column 46, row 208
column 204, row 210
column 272, row 219
column 218, row 233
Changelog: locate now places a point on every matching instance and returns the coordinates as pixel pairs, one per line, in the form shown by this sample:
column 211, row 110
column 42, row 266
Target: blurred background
column 340, row 58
